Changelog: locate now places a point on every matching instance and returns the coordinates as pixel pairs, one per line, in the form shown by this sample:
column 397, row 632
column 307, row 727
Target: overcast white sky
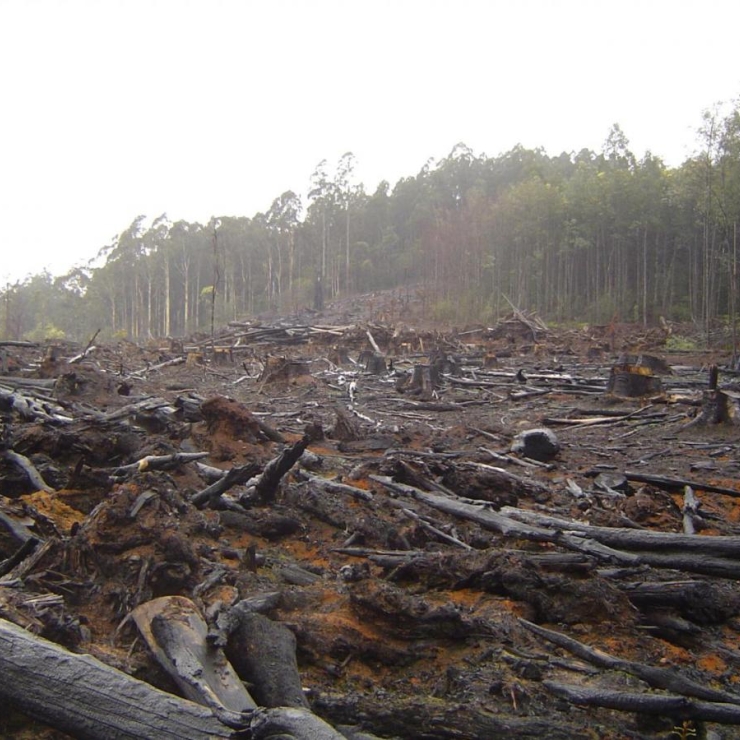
column 200, row 108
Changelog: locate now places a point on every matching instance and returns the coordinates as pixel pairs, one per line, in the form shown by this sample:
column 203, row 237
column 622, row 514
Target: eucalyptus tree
column 155, row 262
column 124, row 265
column 377, row 243
column 323, row 200
column 730, row 203
column 709, row 160
column 181, row 259
column 283, row 220
column 344, row 191
column 233, row 242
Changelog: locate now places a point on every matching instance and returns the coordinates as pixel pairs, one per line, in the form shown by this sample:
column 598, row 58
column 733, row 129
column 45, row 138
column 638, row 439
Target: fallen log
column 704, row 602
column 726, row 546
column 151, row 368
column 673, row 484
column 332, row 486
column 87, row 699
column 429, row 717
column 713, row 556
column 157, row 462
column 666, row 705
column 570, row 536
column 263, row 652
column 176, row 634
column 658, row 678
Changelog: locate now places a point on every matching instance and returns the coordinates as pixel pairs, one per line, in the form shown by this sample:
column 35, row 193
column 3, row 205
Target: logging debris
column 348, row 513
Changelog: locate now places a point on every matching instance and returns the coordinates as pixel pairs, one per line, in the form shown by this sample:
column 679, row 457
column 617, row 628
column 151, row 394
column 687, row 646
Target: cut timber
column 176, row 634
column 87, row 699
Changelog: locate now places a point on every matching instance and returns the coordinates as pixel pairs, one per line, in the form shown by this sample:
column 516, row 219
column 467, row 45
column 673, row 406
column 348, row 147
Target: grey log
column 87, row 699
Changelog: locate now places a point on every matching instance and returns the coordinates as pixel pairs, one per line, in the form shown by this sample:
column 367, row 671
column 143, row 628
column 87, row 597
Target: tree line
column 586, row 236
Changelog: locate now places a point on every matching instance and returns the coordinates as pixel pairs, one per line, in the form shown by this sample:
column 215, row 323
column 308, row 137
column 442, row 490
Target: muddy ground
column 411, row 620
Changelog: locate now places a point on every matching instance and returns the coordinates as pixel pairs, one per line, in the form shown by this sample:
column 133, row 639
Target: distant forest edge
column 586, row 237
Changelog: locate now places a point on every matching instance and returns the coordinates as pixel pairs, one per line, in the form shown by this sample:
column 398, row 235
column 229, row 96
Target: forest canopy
column 577, row 237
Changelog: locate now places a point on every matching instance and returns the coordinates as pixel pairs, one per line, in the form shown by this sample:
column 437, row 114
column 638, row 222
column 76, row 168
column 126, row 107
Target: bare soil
column 408, row 619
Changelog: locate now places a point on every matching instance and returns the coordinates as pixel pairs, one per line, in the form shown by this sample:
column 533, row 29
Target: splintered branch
column 33, row 475
column 266, row 486
column 235, row 477
column 658, row 678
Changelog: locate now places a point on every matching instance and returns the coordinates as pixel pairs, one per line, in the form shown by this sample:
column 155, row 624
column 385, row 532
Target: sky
column 196, row 108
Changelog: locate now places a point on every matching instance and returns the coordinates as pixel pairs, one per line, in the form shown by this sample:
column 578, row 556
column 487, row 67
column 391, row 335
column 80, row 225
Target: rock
column 539, row 444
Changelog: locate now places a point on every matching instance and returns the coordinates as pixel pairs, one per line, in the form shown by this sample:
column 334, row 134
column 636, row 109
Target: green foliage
column 678, row 343
column 46, row 332
column 586, row 236
column 444, row 310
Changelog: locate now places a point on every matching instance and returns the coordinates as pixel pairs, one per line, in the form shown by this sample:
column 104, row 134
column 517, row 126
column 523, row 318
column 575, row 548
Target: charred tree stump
column 283, row 370
column 628, row 382
column 423, row 382
column 339, row 355
column 719, row 405
column 346, row 429
column 373, row 362
column 443, row 364
column 633, row 376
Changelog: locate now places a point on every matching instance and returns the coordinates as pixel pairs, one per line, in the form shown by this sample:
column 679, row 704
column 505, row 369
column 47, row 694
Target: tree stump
column 346, row 429
column 634, row 376
column 373, row 362
column 719, row 405
column 282, row 369
column 424, row 381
